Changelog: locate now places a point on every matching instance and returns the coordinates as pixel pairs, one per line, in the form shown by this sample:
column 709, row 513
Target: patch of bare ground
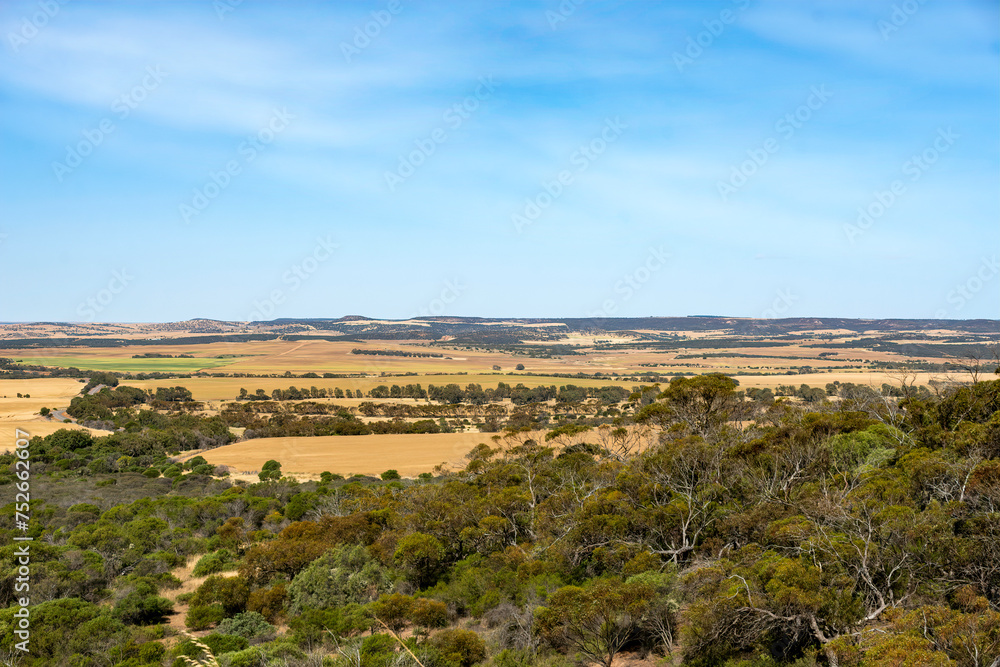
column 189, row 584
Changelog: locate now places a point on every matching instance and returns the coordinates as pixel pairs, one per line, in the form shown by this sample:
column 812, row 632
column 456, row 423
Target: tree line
column 451, row 393
column 395, row 353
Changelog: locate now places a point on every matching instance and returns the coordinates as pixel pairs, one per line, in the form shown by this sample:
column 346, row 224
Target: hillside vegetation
column 857, row 529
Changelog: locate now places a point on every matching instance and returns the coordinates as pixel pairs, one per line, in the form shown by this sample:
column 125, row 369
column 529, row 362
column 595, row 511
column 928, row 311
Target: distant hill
column 468, row 330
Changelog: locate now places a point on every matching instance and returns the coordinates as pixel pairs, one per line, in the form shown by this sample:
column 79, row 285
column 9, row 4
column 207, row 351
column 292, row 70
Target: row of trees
column 298, row 394
column 395, row 353
column 472, row 393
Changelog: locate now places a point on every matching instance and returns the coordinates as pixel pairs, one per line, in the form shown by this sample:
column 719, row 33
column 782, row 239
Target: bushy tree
column 459, row 647
column 250, row 625
column 343, row 575
column 420, row 556
column 270, row 471
column 142, row 606
column 597, row 619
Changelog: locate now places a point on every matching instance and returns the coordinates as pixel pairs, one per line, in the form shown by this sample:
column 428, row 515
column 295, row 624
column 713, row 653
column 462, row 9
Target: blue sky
column 251, row 160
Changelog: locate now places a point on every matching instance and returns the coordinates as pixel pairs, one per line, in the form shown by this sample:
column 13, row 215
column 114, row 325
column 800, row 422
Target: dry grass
column 22, row 413
column 410, row 453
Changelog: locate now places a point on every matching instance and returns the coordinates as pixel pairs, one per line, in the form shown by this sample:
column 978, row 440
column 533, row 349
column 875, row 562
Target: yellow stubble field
column 409, row 453
column 22, row 413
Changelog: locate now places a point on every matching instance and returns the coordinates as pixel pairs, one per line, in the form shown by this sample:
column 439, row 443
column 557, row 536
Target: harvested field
column 410, row 454
column 22, row 413
column 874, row 378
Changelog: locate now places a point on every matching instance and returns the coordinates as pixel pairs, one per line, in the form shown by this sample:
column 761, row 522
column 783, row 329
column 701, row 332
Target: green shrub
column 250, row 625
column 231, row 593
column 393, row 609
column 194, row 462
column 458, row 646
column 299, row 505
column 213, row 563
column 221, row 642
column 270, row 471
column 429, row 613
column 342, row 575
column 378, row 650
column 202, row 617
column 151, row 653
column 250, row 657
column 142, row 606
column 314, row 626
column 269, row 602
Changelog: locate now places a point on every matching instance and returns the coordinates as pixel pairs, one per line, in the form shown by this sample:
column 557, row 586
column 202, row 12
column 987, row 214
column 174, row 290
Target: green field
column 129, row 365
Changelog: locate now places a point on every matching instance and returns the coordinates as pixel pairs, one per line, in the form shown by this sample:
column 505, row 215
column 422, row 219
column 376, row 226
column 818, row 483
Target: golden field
column 22, row 413
column 409, row 454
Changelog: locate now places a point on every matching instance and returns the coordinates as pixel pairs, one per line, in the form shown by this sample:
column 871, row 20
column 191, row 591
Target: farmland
column 524, row 465
column 306, row 458
column 216, row 361
column 22, row 413
column 127, row 365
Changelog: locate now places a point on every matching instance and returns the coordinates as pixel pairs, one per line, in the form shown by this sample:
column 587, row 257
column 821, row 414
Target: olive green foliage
column 217, row 598
column 343, row 575
column 141, row 605
column 597, row 619
column 215, row 562
column 270, row 470
column 459, row 647
column 420, row 556
column 250, row 625
column 859, row 529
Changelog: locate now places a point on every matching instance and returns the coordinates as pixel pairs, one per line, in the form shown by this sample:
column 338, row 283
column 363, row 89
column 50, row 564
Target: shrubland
column 755, row 531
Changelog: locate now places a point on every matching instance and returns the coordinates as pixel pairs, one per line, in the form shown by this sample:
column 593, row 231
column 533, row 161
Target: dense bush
column 215, row 562
column 250, row 625
column 848, row 531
